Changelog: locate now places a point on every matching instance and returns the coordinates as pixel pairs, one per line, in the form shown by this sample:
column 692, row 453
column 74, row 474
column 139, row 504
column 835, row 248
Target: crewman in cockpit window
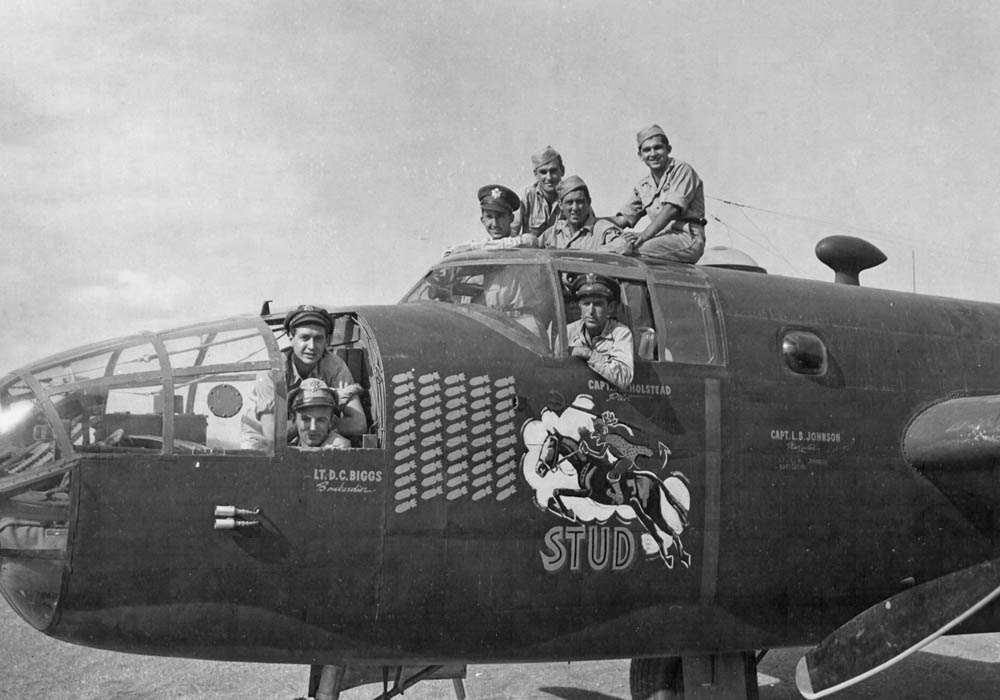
column 316, row 410
column 580, row 229
column 309, row 328
column 672, row 196
column 599, row 340
column 497, row 205
column 540, row 201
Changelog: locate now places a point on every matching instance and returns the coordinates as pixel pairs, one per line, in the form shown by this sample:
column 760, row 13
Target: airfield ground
column 35, row 667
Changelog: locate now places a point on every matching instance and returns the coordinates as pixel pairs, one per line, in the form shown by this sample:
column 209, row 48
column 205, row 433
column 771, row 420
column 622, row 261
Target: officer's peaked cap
column 498, row 198
column 312, row 392
column 592, row 284
column 307, row 313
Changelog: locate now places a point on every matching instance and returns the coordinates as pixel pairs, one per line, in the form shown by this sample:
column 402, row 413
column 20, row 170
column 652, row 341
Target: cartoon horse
column 660, row 505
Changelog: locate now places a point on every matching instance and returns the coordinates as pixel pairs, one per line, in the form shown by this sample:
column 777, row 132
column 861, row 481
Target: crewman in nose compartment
column 597, row 339
column 316, row 409
column 309, row 328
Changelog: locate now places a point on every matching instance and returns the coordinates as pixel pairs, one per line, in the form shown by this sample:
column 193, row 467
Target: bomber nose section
column 34, row 506
column 33, row 554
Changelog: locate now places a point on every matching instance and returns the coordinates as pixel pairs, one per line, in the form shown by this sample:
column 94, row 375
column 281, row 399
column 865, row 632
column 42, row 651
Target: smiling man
column 673, row 198
column 580, row 228
column 597, row 339
column 316, row 409
column 497, row 205
column 309, row 329
column 540, row 207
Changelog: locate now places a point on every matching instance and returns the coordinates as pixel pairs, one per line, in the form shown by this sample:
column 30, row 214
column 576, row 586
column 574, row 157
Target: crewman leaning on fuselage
column 580, row 229
column 673, row 198
column 540, row 200
column 316, row 411
column 309, row 328
column 497, row 205
column 597, row 339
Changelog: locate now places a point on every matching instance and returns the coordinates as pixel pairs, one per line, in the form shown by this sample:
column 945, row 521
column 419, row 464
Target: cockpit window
column 214, row 347
column 135, row 359
column 691, row 325
column 177, row 392
column 92, row 365
column 518, row 297
column 27, row 440
column 633, row 309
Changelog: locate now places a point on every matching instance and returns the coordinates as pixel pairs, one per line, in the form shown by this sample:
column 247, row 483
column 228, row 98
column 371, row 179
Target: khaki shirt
column 680, row 186
column 536, row 213
column 610, row 352
column 594, row 235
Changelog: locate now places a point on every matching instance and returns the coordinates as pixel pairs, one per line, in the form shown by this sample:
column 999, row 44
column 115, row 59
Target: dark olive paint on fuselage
column 818, row 514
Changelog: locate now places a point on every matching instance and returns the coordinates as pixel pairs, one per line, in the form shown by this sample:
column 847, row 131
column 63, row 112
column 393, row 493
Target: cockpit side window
column 637, row 313
column 514, row 298
column 352, row 342
column 634, row 309
column 27, row 438
column 691, row 324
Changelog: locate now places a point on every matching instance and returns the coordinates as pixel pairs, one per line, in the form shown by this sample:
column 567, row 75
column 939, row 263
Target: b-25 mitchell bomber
column 806, row 464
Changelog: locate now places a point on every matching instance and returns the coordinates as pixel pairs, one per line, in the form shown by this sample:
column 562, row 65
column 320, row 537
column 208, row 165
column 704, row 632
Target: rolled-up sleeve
column 633, row 209
column 682, row 187
column 611, row 239
column 263, row 395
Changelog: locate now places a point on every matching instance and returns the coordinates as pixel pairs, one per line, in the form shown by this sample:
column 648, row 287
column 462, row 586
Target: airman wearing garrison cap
column 540, row 200
column 580, row 228
column 597, row 338
column 673, row 198
column 497, row 205
column 316, row 409
column 309, row 329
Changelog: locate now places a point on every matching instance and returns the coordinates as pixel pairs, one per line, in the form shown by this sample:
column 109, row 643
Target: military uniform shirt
column 330, row 368
column 680, row 186
column 610, row 352
column 594, row 235
column 536, row 213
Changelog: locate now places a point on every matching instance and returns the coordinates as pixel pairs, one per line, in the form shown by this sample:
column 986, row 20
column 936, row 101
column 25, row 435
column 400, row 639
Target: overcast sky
column 164, row 163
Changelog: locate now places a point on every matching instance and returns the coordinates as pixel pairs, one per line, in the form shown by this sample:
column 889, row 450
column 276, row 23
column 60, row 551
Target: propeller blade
column 893, row 629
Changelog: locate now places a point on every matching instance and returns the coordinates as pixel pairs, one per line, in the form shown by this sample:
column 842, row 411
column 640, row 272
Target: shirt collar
column 666, row 171
column 605, row 334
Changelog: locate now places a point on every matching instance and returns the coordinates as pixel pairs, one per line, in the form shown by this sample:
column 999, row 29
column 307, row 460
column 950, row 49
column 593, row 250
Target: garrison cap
column 592, row 284
column 649, row 132
column 307, row 313
column 545, row 156
column 313, row 392
column 498, row 198
column 571, row 184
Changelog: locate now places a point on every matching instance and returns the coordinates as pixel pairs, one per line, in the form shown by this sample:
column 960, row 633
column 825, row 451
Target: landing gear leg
column 330, row 678
column 713, row 677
